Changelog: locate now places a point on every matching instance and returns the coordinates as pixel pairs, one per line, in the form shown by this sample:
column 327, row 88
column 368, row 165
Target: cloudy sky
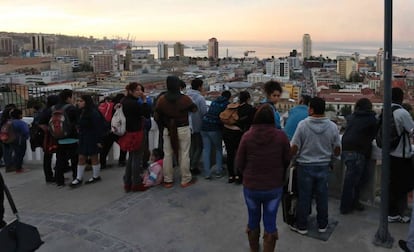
column 248, row 20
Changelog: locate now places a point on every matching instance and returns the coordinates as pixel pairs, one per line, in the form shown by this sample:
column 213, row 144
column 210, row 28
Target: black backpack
column 394, row 136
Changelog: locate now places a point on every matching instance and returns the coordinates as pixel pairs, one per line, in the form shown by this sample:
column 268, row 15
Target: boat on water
column 200, row 48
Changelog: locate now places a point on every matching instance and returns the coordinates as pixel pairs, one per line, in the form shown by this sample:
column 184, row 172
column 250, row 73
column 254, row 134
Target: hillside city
column 33, row 65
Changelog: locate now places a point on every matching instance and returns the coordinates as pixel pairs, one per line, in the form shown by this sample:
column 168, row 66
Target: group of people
column 259, row 151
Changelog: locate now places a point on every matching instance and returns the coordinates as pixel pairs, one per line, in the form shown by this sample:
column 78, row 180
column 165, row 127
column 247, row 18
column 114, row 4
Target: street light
column 383, row 237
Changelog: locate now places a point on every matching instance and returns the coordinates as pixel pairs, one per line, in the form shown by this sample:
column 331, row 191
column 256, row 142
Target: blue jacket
column 21, row 129
column 296, row 114
column 211, row 120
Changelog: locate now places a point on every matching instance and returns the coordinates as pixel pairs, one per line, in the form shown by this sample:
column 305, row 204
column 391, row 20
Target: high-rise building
column 213, row 48
column 178, row 49
column 103, row 63
column 38, row 43
column 128, row 59
column 162, row 51
column 380, row 61
column 306, row 46
column 282, row 68
column 345, row 66
column 6, row 46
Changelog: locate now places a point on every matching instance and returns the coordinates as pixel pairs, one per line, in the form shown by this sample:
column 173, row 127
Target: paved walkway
column 209, row 216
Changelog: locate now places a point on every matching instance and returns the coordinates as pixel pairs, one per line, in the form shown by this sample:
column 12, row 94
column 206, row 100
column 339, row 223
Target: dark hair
column 6, row 113
column 15, row 113
column 196, row 83
column 271, row 86
column 318, row 105
column 306, row 99
column 244, row 96
column 89, row 104
column 158, row 153
column 363, row 104
column 132, row 86
column 65, row 94
column 52, row 100
column 226, row 94
column 397, row 95
column 264, row 115
column 118, row 98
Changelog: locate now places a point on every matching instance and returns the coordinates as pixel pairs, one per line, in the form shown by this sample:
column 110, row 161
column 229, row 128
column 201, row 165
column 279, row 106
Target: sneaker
column 168, row 184
column 403, row 246
column 207, row 177
column 296, row 229
column 189, row 183
column 393, row 219
column 218, row 175
column 231, row 180
column 323, row 230
column 405, row 219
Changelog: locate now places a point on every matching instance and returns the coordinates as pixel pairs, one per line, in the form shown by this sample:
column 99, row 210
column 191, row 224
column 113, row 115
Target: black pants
column 1, row 198
column 47, row 166
column 231, row 140
column 401, row 176
column 196, row 149
column 106, row 147
column 66, row 152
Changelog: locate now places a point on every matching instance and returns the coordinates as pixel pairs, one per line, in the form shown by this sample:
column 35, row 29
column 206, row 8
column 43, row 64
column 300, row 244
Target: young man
column 315, row 141
column 273, row 91
column 195, row 124
column 295, row 115
column 400, row 161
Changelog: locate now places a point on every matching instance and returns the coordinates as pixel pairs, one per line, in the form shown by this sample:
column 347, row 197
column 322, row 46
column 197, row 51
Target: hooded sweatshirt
column 263, row 156
column 316, row 139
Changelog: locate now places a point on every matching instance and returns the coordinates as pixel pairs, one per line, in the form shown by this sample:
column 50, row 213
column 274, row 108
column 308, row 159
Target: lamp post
column 383, row 237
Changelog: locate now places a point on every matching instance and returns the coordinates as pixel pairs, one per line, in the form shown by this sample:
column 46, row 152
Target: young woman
column 133, row 140
column 233, row 134
column 91, row 132
column 262, row 158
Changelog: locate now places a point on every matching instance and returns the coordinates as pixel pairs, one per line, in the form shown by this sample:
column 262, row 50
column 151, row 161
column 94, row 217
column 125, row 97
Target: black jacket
column 360, row 130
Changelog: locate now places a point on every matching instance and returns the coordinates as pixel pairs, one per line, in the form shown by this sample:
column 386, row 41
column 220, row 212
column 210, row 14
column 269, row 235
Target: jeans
column 270, row 200
column 410, row 239
column 312, row 179
column 355, row 178
column 212, row 139
column 196, row 148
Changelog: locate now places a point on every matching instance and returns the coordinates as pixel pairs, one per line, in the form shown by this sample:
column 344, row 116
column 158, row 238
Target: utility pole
column 383, row 237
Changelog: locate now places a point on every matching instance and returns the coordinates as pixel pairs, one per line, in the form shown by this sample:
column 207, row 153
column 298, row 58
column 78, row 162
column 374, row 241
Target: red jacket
column 263, row 156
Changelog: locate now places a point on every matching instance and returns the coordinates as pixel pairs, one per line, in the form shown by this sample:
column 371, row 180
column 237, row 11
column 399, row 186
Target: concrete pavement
column 209, row 216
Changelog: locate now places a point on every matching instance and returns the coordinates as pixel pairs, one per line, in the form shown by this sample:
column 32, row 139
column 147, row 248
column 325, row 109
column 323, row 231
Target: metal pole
column 383, row 237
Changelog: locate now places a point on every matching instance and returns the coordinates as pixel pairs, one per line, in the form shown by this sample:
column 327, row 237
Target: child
column 153, row 176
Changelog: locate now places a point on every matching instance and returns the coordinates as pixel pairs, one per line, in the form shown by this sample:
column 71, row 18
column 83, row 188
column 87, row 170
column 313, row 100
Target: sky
column 229, row 20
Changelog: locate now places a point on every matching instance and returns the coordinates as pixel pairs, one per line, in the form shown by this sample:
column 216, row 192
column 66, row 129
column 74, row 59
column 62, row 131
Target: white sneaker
column 300, row 231
column 405, row 219
column 323, row 230
column 393, row 219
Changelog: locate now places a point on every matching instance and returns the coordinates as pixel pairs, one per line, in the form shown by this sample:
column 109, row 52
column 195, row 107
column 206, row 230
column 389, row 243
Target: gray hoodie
column 195, row 118
column 316, row 139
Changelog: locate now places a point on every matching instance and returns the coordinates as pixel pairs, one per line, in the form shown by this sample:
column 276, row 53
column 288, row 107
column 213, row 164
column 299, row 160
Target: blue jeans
column 312, row 179
column 270, row 200
column 212, row 139
column 355, row 178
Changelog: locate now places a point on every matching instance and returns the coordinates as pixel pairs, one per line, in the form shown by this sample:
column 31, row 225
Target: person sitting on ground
column 153, row 175
column 91, row 132
column 263, row 157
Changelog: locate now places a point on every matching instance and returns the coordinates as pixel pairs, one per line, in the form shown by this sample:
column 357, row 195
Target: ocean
column 263, row 50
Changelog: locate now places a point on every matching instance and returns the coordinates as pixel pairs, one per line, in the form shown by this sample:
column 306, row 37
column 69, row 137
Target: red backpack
column 106, row 109
column 59, row 123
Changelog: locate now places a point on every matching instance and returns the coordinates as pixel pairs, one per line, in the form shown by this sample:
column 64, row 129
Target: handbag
column 18, row 236
column 290, row 197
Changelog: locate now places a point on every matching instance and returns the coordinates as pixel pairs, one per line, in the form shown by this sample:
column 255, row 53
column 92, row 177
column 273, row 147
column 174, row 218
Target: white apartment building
column 306, row 46
column 162, row 51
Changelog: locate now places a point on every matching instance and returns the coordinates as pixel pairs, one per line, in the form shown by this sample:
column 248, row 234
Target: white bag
column 118, row 122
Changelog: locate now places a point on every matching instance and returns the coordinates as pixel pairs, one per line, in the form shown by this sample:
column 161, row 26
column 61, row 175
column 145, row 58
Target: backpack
column 106, row 109
column 230, row 115
column 7, row 133
column 36, row 136
column 59, row 123
column 118, row 122
column 394, row 136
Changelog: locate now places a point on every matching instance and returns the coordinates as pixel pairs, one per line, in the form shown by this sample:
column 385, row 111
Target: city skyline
column 262, row 20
